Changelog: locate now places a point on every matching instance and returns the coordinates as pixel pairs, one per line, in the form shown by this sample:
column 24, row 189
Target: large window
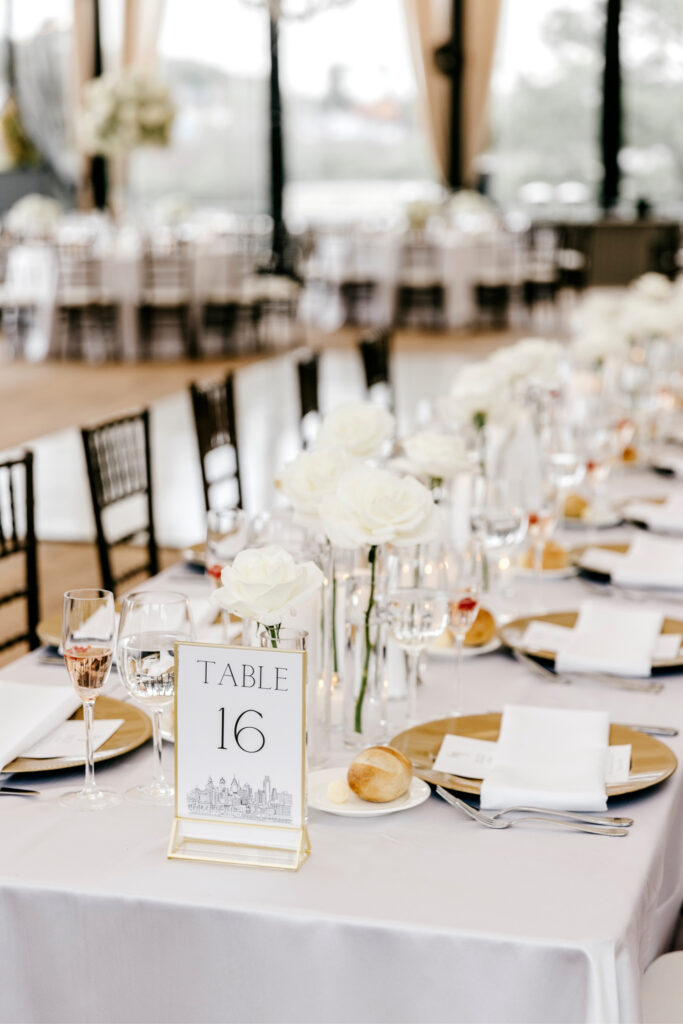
column 545, row 101
column 351, row 123
column 652, row 62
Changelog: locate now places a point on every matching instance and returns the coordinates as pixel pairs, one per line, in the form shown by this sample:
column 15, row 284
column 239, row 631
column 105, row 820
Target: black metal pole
column 277, row 158
column 610, row 134
column 455, row 168
column 98, row 164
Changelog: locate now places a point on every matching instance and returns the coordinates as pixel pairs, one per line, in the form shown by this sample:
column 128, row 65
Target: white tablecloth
column 422, row 915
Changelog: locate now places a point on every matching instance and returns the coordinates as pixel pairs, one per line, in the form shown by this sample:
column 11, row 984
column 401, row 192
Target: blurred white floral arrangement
column 123, row 110
column 33, row 216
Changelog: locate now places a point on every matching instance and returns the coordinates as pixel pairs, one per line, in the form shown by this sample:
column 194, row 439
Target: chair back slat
column 213, row 405
column 118, row 460
column 18, row 537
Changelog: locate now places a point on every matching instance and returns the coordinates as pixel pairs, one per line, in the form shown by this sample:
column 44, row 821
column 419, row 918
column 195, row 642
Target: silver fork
column 618, row 682
column 497, row 822
column 585, row 816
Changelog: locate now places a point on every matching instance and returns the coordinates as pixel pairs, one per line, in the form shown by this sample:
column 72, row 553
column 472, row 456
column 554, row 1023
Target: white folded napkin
column 667, row 516
column 549, row 757
column 68, row 739
column 611, row 637
column 548, row 636
column 28, row 712
column 650, row 562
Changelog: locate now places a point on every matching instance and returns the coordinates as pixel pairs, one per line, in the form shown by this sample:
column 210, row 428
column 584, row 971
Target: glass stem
column 456, row 696
column 88, row 715
column 413, row 658
column 157, row 740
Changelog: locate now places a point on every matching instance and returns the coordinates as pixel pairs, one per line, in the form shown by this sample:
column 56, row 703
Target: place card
column 240, row 755
column 471, row 758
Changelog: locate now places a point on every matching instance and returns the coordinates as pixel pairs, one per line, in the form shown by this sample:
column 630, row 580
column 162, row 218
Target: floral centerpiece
column 435, row 456
column 370, row 507
column 361, row 430
column 123, row 110
column 33, row 216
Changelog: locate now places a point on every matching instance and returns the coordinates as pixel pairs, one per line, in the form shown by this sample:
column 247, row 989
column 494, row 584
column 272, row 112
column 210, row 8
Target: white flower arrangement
column 654, row 287
column 264, row 583
column 598, row 344
column 479, row 396
column 124, row 110
column 33, row 216
column 361, row 430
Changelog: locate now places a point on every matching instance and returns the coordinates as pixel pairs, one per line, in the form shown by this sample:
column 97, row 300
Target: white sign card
column 240, row 755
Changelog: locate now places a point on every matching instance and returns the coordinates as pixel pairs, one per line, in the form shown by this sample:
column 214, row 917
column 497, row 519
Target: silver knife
column 13, row 791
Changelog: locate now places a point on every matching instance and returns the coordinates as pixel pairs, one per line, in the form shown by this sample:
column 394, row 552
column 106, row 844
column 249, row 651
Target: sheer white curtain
column 429, row 26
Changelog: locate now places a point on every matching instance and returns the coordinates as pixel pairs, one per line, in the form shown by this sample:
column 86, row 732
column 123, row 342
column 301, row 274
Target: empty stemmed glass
column 226, row 535
column 88, row 628
column 465, row 578
column 416, row 615
column 152, row 622
column 499, row 523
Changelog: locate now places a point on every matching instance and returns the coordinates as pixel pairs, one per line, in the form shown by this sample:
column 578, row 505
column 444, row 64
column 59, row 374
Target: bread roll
column 482, row 629
column 575, row 506
column 380, row 774
column 554, row 557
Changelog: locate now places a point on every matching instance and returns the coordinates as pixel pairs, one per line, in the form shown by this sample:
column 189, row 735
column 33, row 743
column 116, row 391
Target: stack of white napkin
column 28, row 712
column 649, row 562
column 549, row 757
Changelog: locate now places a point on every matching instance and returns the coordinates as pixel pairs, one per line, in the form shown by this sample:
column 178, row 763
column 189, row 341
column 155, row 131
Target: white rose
column 655, row 287
column 373, row 506
column 641, row 317
column 598, row 311
column 361, row 429
column 436, row 455
column 531, row 358
column 479, row 395
column 598, row 344
column 309, row 477
column 264, row 583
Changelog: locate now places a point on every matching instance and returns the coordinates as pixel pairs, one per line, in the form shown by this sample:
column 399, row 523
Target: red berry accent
column 590, row 466
column 466, row 604
column 533, row 519
column 215, row 571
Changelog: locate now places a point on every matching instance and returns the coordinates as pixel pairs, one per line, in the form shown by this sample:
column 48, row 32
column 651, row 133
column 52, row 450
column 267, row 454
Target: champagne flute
column 152, row 622
column 465, row 580
column 88, row 627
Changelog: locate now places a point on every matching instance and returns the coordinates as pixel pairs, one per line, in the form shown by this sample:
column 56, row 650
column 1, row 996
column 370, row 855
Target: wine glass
column 152, row 622
column 542, row 519
column 498, row 522
column 601, row 445
column 416, row 615
column 465, row 579
column 226, row 535
column 88, row 627
column 563, row 458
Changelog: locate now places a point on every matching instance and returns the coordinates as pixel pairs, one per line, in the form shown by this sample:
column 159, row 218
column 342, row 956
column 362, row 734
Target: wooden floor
column 39, row 398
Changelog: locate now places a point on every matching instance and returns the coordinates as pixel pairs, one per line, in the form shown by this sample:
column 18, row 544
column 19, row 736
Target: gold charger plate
column 421, row 743
column 568, row 619
column 136, row 730
column 49, row 630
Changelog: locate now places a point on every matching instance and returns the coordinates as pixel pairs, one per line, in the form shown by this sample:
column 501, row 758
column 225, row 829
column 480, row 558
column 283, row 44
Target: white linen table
column 422, row 915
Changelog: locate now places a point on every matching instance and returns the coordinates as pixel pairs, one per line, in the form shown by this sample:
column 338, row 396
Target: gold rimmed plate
column 512, row 633
column 135, row 730
column 576, row 557
column 650, row 759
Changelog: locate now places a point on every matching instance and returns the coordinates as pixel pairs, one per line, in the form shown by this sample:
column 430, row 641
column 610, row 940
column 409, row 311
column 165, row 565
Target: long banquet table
column 421, row 915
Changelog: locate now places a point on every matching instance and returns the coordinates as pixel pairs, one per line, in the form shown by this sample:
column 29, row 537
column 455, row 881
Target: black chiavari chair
column 118, row 460
column 375, row 350
column 213, row 404
column 307, row 367
column 18, row 538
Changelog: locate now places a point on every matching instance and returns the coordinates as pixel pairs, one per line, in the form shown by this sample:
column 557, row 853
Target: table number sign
column 240, row 756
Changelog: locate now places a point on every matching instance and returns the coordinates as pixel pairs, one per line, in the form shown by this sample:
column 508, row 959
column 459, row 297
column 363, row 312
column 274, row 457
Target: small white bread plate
column 354, row 807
